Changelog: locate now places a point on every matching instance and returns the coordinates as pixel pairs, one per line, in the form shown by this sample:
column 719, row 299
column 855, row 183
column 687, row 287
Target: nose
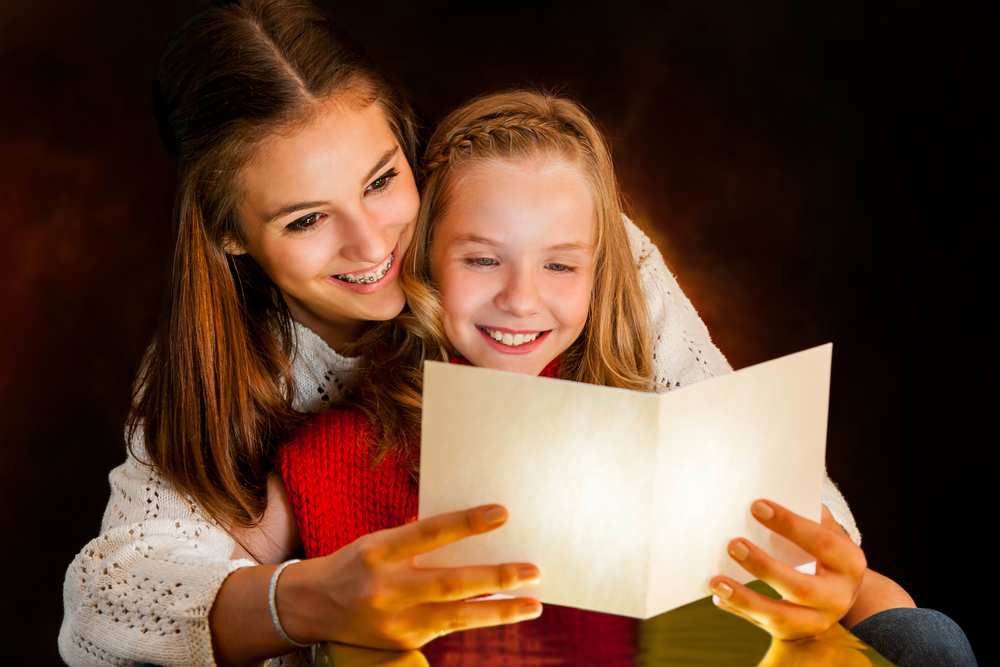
column 363, row 238
column 519, row 295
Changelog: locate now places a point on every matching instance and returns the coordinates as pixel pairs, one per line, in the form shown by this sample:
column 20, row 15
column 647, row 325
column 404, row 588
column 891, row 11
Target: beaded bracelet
column 274, row 606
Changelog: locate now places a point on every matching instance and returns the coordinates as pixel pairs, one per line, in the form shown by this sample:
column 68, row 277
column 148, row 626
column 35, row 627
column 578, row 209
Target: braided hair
column 498, row 135
column 614, row 348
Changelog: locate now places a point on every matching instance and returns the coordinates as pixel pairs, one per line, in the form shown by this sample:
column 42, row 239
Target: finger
column 834, row 550
column 782, row 618
column 461, row 583
column 447, row 617
column 800, row 588
column 797, row 587
column 428, row 534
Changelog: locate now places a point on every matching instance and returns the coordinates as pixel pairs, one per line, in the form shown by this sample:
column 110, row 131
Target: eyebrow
column 292, row 208
column 482, row 240
column 389, row 154
column 567, row 247
column 301, row 206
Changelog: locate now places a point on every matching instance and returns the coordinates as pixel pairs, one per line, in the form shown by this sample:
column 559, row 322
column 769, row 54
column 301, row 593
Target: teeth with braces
column 510, row 340
column 370, row 277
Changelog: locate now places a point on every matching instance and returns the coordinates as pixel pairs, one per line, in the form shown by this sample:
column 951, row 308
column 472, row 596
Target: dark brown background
column 812, row 174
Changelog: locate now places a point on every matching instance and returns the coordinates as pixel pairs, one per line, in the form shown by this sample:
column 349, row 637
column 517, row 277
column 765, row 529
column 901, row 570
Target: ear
column 232, row 247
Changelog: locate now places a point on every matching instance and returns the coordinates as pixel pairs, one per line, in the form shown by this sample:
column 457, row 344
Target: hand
column 812, row 603
column 370, row 593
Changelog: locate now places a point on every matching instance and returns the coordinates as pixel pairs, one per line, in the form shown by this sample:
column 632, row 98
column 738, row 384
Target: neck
column 338, row 335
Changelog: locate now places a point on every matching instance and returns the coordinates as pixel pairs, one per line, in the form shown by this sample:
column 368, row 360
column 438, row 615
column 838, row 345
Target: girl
column 520, row 262
column 529, row 270
column 296, row 202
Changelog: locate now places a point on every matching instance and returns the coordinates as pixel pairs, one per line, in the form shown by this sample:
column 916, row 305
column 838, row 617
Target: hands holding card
column 371, row 593
column 811, row 603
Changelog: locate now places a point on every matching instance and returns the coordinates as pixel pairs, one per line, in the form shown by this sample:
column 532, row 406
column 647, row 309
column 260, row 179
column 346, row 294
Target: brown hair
column 215, row 391
column 613, row 350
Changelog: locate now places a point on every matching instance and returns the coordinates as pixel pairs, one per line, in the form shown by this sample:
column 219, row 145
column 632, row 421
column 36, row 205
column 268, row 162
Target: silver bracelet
column 274, row 606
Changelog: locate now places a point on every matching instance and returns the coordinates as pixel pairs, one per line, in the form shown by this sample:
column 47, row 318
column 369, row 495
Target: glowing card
column 625, row 500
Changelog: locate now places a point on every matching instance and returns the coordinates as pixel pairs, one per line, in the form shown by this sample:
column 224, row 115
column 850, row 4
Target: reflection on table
column 697, row 634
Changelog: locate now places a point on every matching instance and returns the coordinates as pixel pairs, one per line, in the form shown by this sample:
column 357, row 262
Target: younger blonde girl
column 520, row 261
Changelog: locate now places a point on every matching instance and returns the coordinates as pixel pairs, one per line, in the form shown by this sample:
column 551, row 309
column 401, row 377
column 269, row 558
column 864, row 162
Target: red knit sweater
column 339, row 495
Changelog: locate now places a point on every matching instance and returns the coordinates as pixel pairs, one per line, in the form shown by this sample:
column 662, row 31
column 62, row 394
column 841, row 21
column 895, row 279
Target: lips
column 370, row 280
column 510, row 339
column 530, row 340
column 366, row 277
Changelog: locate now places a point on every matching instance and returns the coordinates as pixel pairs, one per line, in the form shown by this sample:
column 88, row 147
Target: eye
column 383, row 182
column 304, row 223
column 481, row 262
column 559, row 268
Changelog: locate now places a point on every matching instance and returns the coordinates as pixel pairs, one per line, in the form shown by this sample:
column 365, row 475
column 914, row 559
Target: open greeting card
column 625, row 500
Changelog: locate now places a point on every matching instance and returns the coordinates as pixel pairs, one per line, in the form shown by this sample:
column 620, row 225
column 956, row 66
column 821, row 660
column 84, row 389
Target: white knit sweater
column 141, row 591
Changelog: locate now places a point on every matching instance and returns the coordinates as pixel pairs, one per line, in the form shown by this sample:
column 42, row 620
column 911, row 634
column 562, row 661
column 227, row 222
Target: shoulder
column 643, row 249
column 683, row 351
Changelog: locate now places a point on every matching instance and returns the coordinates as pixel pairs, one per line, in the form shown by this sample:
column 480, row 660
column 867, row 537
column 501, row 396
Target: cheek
column 458, row 295
column 403, row 204
column 403, row 214
column 573, row 303
column 295, row 260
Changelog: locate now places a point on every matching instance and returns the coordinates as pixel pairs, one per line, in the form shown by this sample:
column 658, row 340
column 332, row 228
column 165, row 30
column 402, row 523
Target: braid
column 500, row 135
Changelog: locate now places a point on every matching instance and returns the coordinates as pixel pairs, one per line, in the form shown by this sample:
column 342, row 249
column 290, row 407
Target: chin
column 522, row 365
column 389, row 307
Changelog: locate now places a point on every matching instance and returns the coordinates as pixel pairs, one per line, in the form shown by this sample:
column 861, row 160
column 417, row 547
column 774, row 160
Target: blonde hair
column 613, row 350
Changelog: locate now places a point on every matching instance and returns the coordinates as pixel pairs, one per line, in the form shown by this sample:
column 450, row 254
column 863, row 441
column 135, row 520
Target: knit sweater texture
column 140, row 591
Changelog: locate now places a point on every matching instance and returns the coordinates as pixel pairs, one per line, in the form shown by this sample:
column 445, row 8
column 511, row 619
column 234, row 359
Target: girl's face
column 512, row 256
column 328, row 211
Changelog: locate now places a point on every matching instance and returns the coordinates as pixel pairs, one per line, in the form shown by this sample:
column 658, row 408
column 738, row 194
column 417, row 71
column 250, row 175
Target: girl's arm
column 141, row 591
column 161, row 579
column 877, row 593
column 842, row 588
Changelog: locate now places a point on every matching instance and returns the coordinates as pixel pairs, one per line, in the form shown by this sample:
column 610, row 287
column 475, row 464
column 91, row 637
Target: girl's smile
column 512, row 256
column 364, row 281
column 507, row 341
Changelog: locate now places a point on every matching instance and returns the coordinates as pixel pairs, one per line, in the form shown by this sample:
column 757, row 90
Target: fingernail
column 762, row 511
column 722, row 590
column 529, row 609
column 716, row 601
column 528, row 576
column 739, row 551
column 495, row 515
